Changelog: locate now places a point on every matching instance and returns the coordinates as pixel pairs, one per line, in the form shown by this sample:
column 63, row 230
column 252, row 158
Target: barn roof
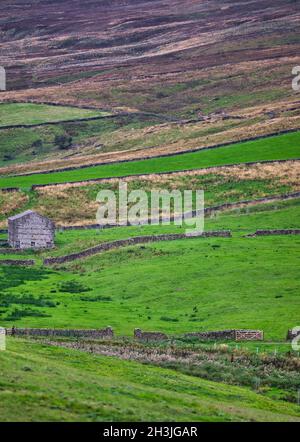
column 27, row 212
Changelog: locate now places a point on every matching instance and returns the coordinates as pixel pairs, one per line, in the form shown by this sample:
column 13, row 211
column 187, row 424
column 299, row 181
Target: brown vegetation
column 221, row 69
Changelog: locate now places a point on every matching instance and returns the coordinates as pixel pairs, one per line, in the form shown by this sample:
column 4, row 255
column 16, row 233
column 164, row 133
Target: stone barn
column 29, row 230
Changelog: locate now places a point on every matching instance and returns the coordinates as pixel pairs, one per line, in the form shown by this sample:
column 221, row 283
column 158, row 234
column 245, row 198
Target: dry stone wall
column 76, row 333
column 275, row 232
column 56, row 123
column 108, row 333
column 132, row 241
column 232, row 335
column 149, row 336
column 86, row 227
column 17, row 262
column 8, row 250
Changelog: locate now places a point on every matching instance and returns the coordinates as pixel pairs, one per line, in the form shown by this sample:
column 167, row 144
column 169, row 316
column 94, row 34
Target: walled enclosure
column 29, row 230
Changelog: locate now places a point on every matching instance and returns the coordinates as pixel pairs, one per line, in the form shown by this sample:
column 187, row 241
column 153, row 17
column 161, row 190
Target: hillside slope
column 106, row 389
column 203, row 72
column 179, row 57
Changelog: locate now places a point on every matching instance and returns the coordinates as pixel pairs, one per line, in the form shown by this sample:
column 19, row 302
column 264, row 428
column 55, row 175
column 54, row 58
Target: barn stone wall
column 31, row 231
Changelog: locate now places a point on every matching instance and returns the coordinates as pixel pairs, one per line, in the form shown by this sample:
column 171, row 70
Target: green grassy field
column 30, row 113
column 218, row 283
column 273, row 148
column 34, row 387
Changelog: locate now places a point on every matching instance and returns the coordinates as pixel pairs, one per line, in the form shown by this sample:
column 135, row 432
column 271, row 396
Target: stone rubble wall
column 56, row 123
column 8, row 250
column 130, row 242
column 232, row 335
column 17, row 262
column 149, row 336
column 76, row 333
column 275, row 232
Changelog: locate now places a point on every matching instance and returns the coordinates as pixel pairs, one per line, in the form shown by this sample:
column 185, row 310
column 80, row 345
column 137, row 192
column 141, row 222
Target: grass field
column 274, row 148
column 106, row 389
column 13, row 114
column 254, row 282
